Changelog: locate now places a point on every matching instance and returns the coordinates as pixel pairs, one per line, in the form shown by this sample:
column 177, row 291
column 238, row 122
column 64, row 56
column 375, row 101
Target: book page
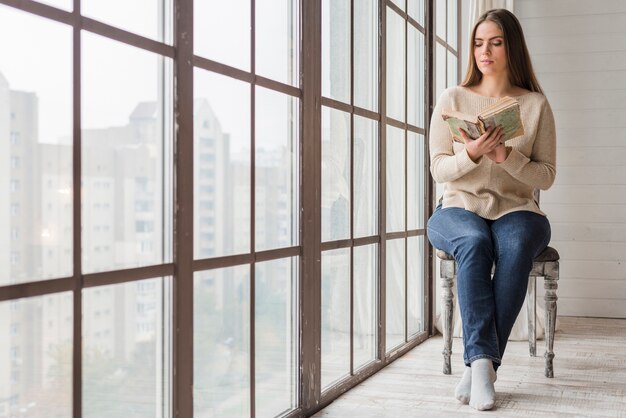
column 510, row 121
column 456, row 123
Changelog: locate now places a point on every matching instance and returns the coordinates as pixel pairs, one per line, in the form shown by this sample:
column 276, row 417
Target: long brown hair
column 520, row 68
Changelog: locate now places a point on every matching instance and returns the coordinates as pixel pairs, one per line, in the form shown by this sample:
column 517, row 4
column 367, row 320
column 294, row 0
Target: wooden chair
column 545, row 265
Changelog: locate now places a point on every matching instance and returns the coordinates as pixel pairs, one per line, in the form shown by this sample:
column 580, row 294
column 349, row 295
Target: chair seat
column 549, row 254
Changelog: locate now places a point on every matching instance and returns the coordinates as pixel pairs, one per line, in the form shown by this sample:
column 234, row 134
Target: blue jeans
column 489, row 306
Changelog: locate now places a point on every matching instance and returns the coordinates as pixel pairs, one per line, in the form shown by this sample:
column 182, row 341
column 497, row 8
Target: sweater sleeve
column 539, row 170
column 445, row 165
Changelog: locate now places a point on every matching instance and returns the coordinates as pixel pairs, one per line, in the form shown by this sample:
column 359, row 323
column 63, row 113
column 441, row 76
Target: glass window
column 276, row 165
column 224, row 103
column 123, row 144
column 396, row 69
column 395, row 293
column 222, row 342
column 276, row 40
column 366, row 54
column 365, row 144
column 38, row 118
column 365, row 292
column 336, row 49
column 222, row 31
column 335, row 175
column 276, row 336
column 36, row 363
column 125, row 366
column 335, row 316
column 396, row 187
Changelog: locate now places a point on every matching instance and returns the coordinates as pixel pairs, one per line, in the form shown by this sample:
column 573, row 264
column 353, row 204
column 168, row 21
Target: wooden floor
column 589, row 379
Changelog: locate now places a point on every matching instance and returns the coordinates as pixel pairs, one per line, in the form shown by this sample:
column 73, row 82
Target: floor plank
column 589, row 379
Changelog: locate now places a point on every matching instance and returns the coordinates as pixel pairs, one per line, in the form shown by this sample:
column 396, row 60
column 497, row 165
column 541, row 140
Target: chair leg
column 448, row 312
column 551, row 285
column 531, row 304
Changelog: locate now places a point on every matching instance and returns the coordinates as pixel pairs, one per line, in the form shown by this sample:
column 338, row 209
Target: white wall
column 578, row 48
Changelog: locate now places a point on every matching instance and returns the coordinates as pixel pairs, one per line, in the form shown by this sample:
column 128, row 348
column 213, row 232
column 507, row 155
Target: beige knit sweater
column 486, row 188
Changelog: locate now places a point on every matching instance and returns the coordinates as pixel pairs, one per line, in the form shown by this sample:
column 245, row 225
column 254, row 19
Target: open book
column 504, row 112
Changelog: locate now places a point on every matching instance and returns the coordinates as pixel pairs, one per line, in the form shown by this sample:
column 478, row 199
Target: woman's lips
column 486, row 62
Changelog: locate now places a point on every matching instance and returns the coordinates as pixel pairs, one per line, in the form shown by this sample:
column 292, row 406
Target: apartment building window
column 260, row 173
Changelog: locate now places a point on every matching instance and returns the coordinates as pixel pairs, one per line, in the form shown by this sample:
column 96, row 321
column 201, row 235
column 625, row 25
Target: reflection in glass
column 440, row 70
column 396, row 66
column 124, row 15
column 221, row 338
column 276, row 336
column 125, row 366
column 415, row 284
column 366, row 54
column 335, row 174
column 395, row 292
column 440, row 18
column 452, row 70
column 214, row 23
column 335, row 315
column 365, row 143
column 416, row 10
column 395, row 179
column 35, row 148
column 365, row 302
column 452, row 23
column 36, row 356
column 416, row 63
column 276, row 38
column 336, row 49
column 221, row 165
column 276, row 179
column 124, row 155
column 415, row 181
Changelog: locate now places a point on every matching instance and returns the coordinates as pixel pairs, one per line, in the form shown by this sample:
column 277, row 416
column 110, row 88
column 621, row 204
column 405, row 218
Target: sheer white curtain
column 478, row 7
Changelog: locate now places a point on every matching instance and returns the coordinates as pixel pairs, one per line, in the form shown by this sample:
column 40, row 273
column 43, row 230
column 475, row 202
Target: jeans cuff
column 479, row 356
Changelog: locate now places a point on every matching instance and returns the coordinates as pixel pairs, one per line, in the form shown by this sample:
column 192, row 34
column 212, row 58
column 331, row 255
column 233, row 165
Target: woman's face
column 489, row 49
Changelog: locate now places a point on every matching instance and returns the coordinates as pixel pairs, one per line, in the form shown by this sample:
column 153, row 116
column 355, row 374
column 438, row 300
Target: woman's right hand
column 484, row 144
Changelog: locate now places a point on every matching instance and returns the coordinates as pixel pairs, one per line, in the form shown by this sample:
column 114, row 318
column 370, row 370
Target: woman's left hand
column 498, row 154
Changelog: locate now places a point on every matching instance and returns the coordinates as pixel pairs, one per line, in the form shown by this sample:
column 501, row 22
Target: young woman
column 488, row 214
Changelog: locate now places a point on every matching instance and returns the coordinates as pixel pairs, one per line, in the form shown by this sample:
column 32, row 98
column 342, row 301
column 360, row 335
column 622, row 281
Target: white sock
column 464, row 387
column 483, row 394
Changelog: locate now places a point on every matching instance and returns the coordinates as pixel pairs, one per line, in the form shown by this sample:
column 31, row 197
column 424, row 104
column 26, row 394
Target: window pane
column 61, row 4
column 416, row 10
column 452, row 70
column 395, row 179
column 125, row 349
column 440, row 18
column 400, row 3
column 335, row 315
column 335, row 174
column 366, row 54
column 276, row 195
column 123, row 155
column 215, row 22
column 415, row 88
column 415, row 181
column 365, row 177
column 415, row 284
column 277, row 42
column 440, row 74
column 36, row 356
column 221, row 338
column 276, row 317
column 35, row 150
column 396, row 66
column 452, row 23
column 124, row 15
column 221, row 165
column 336, row 49
column 365, row 303
column 395, row 292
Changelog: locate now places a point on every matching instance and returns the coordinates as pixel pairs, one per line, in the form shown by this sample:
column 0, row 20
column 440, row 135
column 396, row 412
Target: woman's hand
column 486, row 144
column 499, row 154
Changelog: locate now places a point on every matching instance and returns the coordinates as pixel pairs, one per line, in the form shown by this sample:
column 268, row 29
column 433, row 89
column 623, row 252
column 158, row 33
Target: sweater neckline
column 470, row 91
